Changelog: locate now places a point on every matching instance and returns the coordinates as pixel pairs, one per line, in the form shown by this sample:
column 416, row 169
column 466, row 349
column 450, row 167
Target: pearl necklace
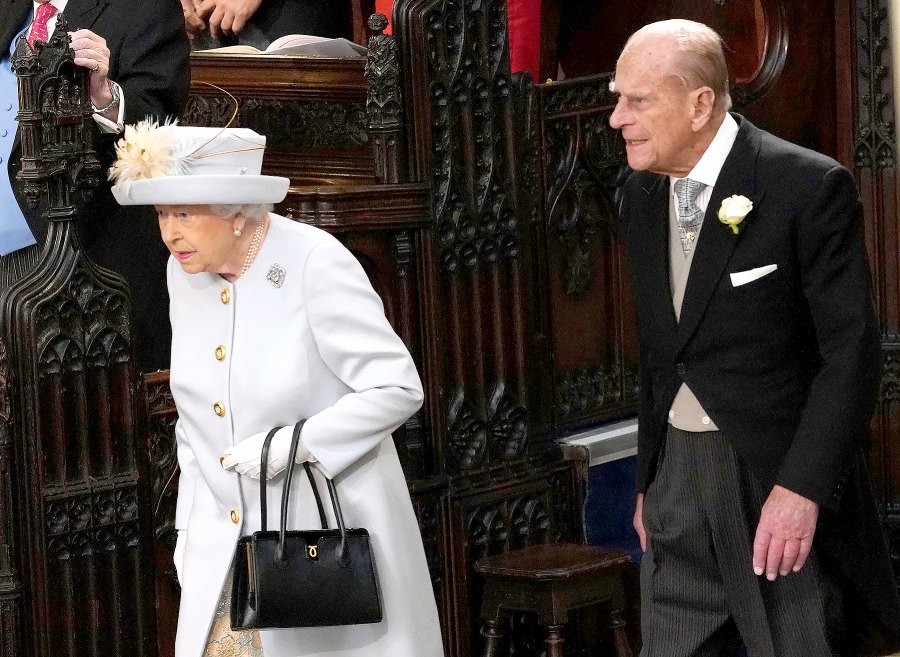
column 254, row 246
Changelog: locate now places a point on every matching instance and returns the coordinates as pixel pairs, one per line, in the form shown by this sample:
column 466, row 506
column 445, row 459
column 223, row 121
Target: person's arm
column 638, row 521
column 836, row 286
column 835, row 282
column 106, row 96
column 647, row 429
column 152, row 62
column 145, row 76
column 113, row 119
column 359, row 346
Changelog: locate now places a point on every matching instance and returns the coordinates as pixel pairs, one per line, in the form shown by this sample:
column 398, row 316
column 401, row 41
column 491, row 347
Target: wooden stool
column 551, row 580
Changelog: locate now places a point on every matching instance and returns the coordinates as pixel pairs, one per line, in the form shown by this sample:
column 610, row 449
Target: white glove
column 178, row 557
column 244, row 458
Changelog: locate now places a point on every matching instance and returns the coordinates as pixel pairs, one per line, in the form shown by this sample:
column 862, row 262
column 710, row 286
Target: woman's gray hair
column 700, row 56
column 252, row 211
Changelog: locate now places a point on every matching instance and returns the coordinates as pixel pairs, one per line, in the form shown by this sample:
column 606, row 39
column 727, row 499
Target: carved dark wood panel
column 11, row 603
column 312, row 111
column 527, row 502
column 866, row 145
column 158, row 417
column 872, row 157
column 384, row 102
column 466, row 142
column 593, row 342
column 892, row 531
column 79, row 547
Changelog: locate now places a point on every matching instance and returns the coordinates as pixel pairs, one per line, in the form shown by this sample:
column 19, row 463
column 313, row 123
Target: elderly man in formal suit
column 137, row 54
column 760, row 359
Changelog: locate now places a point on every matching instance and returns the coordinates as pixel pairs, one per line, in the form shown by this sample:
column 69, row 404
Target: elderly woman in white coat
column 273, row 322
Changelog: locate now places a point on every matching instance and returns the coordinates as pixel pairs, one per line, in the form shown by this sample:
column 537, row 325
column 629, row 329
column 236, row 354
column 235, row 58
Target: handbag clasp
column 312, row 551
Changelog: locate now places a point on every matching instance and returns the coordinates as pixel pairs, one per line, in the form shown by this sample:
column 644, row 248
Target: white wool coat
column 260, row 353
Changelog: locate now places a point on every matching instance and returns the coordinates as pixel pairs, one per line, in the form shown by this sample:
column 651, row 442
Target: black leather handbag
column 305, row 578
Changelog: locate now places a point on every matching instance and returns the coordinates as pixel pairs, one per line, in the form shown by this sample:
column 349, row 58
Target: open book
column 298, row 45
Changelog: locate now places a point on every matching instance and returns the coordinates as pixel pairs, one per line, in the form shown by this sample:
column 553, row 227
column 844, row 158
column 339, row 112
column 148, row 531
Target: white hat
column 175, row 165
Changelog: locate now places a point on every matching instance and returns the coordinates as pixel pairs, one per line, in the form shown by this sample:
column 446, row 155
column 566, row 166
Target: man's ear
column 702, row 102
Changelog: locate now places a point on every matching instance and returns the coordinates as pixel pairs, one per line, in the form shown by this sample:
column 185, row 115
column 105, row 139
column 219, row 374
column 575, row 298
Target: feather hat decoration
column 170, row 164
column 146, row 151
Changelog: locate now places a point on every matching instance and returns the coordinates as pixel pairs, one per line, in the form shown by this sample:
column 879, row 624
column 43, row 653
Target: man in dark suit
column 137, row 53
column 760, row 358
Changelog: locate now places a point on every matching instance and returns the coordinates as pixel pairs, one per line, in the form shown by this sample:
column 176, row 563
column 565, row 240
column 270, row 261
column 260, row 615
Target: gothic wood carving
column 384, row 103
column 293, row 124
column 11, row 604
column 868, row 149
column 593, row 342
column 312, row 110
column 465, row 140
column 81, row 544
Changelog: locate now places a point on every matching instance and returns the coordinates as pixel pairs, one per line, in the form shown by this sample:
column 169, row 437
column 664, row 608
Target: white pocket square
column 743, row 277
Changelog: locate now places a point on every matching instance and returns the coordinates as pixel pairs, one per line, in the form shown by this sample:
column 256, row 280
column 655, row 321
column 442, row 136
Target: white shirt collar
column 710, row 165
column 59, row 4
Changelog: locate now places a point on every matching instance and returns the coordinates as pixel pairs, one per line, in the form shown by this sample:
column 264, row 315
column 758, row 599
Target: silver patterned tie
column 689, row 216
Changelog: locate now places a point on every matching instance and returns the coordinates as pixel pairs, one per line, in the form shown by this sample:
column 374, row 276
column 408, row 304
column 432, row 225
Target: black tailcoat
column 787, row 365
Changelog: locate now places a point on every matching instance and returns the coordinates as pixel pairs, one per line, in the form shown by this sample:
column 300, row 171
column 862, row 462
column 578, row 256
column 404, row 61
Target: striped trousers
column 699, row 595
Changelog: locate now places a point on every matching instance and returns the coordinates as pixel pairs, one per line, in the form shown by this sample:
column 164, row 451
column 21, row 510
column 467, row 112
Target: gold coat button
column 220, row 352
column 226, row 295
column 235, row 516
column 219, row 408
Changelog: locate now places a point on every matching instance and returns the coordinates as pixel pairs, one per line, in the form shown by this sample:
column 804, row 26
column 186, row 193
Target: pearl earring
column 237, row 232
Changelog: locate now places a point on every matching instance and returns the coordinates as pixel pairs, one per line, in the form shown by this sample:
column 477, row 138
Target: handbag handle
column 263, row 474
column 342, row 556
column 263, row 463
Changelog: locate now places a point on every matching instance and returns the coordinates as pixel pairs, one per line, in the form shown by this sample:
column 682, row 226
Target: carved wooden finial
column 377, row 23
column 55, row 124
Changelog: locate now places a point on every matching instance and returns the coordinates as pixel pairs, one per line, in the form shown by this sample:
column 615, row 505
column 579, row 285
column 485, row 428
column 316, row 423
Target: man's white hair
column 700, row 57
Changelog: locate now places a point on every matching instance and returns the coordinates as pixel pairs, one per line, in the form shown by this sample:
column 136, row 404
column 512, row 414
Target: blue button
column 3, row 133
column 8, row 106
column 1, row 159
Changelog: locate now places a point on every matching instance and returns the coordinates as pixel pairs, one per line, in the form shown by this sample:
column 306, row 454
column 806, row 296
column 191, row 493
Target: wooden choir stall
column 483, row 208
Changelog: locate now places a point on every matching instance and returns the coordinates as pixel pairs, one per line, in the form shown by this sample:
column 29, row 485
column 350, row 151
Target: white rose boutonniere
column 733, row 210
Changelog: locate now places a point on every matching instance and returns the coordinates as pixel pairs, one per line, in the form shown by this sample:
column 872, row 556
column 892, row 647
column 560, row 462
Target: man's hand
column 91, row 53
column 227, row 16
column 193, row 24
column 784, row 536
column 638, row 521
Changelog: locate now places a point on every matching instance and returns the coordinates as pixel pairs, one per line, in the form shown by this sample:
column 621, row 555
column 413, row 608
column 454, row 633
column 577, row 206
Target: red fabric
column 524, row 33
column 525, row 36
column 384, row 7
column 39, row 27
